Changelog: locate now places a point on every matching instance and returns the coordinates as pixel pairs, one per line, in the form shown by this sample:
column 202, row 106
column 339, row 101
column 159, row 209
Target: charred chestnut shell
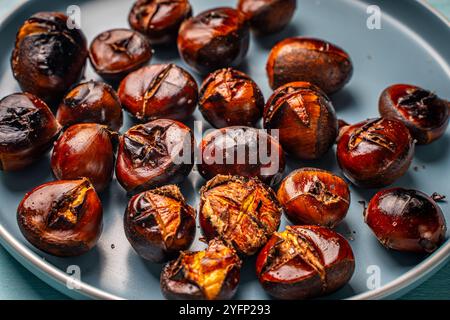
column 212, row 274
column 48, row 57
column 62, row 218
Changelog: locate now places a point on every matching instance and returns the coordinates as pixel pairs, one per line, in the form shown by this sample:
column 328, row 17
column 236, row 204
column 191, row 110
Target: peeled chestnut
column 48, row 57
column 406, row 220
column 91, row 101
column 229, row 97
column 314, row 197
column 62, row 218
column 27, row 130
column 242, row 212
column 159, row 223
column 161, row 91
column 268, row 16
column 305, row 118
column 212, row 274
column 159, row 20
column 307, row 59
column 423, row 112
column 241, row 151
column 117, row 52
column 154, row 154
column 85, row 150
column 304, row 262
column 376, row 152
column 214, row 39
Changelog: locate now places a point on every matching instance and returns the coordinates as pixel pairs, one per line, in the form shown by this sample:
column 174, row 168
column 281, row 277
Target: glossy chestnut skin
column 91, row 102
column 154, row 154
column 159, row 224
column 376, row 152
column 160, row 91
column 117, row 52
column 308, row 59
column 159, row 20
column 214, row 39
column 244, row 151
column 305, row 118
column 406, row 220
column 48, row 57
column 268, row 16
column 62, row 218
column 242, row 212
column 85, row 150
column 229, row 97
column 27, row 130
column 311, row 196
column 212, row 274
column 425, row 114
column 304, row 262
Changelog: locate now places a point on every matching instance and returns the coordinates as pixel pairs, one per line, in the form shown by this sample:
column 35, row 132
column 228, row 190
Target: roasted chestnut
column 241, row 151
column 242, row 212
column 85, row 150
column 117, row 52
column 423, row 112
column 305, row 118
column 304, row 262
column 159, row 91
column 314, row 197
column 48, row 57
column 406, row 220
column 376, row 152
column 154, row 154
column 159, row 223
column 308, row 59
column 27, row 130
column 268, row 16
column 159, row 20
column 62, row 218
column 214, row 39
column 229, row 97
column 212, row 274
column 91, row 101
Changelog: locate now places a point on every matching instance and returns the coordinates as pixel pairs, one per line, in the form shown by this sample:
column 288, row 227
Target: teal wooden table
column 17, row 283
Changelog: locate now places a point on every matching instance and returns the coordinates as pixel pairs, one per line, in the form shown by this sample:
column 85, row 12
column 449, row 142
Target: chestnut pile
column 239, row 213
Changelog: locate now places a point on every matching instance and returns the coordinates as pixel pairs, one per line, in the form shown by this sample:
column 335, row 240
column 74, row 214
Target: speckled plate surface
column 412, row 46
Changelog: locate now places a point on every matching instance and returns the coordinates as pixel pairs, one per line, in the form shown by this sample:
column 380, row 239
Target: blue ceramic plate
column 412, row 46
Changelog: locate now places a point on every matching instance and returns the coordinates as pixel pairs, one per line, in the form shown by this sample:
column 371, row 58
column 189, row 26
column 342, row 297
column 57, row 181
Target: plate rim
column 57, row 279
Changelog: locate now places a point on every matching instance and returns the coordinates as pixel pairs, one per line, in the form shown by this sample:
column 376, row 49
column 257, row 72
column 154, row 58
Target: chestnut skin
column 117, row 52
column 425, row 114
column 48, row 57
column 212, row 274
column 159, row 20
column 304, row 262
column 160, row 91
column 229, row 97
column 242, row 212
column 91, row 102
column 154, row 154
column 308, row 59
column 85, row 150
column 305, row 118
column 268, row 16
column 159, row 224
column 244, row 151
column 406, row 220
column 376, row 152
column 27, row 130
column 214, row 39
column 311, row 196
column 62, row 218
